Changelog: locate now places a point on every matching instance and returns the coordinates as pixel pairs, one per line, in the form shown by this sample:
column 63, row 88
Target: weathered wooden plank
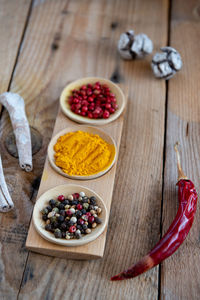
column 13, row 16
column 180, row 274
column 64, row 41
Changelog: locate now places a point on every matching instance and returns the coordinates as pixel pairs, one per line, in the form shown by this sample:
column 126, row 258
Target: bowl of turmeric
column 82, row 152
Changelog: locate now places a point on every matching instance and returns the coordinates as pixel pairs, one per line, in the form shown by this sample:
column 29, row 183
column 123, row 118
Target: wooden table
column 43, row 46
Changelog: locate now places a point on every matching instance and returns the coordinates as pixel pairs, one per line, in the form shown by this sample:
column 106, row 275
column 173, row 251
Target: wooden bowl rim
column 121, row 101
column 73, row 128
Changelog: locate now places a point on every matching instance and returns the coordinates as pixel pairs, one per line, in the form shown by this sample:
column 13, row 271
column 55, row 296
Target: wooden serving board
column 102, row 186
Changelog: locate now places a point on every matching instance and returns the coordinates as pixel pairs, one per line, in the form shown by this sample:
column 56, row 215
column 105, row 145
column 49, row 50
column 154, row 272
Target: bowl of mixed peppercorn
column 92, row 100
column 70, row 215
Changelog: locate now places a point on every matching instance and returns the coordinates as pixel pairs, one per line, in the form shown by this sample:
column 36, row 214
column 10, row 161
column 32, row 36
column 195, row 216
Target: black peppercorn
column 83, row 211
column 49, row 208
column 65, row 202
column 55, row 225
column 84, row 226
column 61, row 206
column 74, row 202
column 85, row 200
column 62, row 212
column 60, row 219
column 52, row 202
column 78, row 214
column 63, row 234
column 98, row 220
column 48, row 227
column 93, row 200
column 44, row 217
column 63, row 226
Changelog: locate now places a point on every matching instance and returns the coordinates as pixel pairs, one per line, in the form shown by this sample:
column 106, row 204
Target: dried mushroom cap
column 131, row 46
column 166, row 64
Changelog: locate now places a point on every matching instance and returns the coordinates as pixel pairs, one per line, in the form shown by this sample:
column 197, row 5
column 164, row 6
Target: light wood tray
column 102, row 185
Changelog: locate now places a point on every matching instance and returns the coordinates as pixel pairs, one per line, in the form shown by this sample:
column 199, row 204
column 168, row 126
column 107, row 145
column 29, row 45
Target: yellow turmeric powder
column 82, row 153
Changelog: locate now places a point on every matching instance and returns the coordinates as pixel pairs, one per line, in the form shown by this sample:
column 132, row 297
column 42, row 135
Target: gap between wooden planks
column 102, row 185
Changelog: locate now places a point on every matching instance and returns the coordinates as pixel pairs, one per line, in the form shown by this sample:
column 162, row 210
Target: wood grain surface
column 61, row 41
column 180, row 273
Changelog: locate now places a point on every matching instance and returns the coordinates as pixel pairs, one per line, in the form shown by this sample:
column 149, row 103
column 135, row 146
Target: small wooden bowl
column 84, row 120
column 66, row 190
column 89, row 129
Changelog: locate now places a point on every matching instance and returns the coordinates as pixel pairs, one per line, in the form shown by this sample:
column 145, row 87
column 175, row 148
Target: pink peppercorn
column 61, row 198
column 68, row 213
column 91, row 219
column 94, row 101
column 81, row 221
column 72, row 229
column 75, row 195
column 79, row 206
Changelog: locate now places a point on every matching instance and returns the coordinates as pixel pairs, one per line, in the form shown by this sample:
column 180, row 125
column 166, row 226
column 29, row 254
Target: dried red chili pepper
column 176, row 233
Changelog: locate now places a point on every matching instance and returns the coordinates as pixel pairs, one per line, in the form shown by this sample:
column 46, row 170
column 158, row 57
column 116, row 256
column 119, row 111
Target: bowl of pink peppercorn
column 92, row 100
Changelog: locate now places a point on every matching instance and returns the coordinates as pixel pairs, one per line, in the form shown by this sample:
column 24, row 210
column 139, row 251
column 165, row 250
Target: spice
column 71, row 222
column 176, row 233
column 82, row 153
column 93, row 101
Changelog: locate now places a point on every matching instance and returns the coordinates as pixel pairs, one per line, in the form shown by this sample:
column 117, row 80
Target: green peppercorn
column 85, row 206
column 53, row 219
column 57, row 203
column 44, row 211
column 56, row 210
column 57, row 233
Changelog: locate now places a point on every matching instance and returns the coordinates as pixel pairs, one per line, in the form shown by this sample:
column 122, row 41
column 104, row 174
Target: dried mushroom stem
column 16, row 109
column 6, row 203
column 181, row 174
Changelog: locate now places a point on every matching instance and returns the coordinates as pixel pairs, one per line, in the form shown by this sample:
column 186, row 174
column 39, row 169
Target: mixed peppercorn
column 72, row 216
column 93, row 101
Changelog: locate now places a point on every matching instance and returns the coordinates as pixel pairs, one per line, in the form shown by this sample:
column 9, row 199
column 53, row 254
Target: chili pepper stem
column 181, row 174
